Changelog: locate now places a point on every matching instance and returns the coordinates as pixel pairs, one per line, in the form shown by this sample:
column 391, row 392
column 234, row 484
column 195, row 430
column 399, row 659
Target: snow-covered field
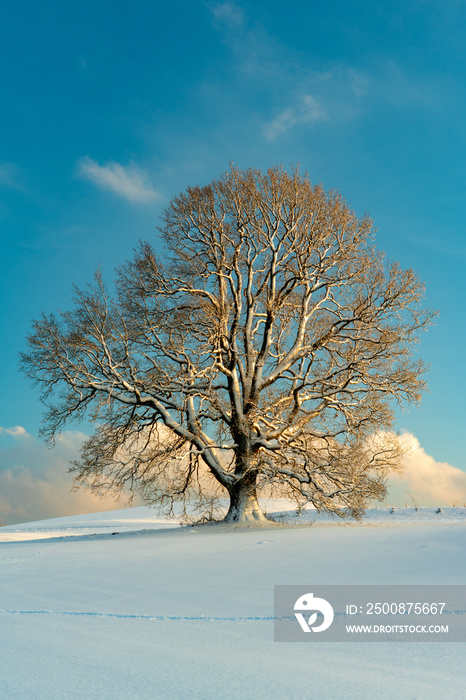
column 125, row 605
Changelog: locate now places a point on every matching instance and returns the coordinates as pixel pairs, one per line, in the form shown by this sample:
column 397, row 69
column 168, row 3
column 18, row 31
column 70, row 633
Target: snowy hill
column 280, row 510
column 125, row 605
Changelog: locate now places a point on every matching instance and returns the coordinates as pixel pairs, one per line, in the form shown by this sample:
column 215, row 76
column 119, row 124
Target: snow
column 163, row 611
column 126, row 520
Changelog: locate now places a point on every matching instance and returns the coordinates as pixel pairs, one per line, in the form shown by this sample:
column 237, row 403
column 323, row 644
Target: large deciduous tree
column 264, row 349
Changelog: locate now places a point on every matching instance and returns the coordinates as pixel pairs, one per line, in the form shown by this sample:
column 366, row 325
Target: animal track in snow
column 140, row 616
column 18, row 560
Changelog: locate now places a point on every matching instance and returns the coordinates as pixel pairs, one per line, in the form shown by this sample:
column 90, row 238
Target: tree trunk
column 244, row 507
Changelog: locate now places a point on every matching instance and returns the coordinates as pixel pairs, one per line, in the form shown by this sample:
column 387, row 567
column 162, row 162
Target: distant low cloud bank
column 430, row 483
column 131, row 182
column 35, row 483
column 34, row 480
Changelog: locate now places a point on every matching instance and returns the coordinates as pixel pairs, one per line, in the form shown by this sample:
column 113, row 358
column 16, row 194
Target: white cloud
column 308, row 110
column 34, row 480
column 17, row 430
column 430, row 483
column 131, row 182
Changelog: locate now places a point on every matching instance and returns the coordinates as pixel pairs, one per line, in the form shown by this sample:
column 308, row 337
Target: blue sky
column 109, row 109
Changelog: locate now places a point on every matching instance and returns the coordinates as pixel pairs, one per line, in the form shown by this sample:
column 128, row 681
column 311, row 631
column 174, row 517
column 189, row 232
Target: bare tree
column 264, row 350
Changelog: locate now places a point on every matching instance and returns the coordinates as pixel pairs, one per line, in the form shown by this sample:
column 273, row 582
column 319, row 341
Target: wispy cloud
column 34, row 480
column 10, row 175
column 275, row 87
column 429, row 482
column 292, row 92
column 228, row 13
column 308, row 110
column 131, row 183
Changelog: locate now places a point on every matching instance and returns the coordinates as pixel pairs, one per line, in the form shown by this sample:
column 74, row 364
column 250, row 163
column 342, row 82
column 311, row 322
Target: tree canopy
column 264, row 350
